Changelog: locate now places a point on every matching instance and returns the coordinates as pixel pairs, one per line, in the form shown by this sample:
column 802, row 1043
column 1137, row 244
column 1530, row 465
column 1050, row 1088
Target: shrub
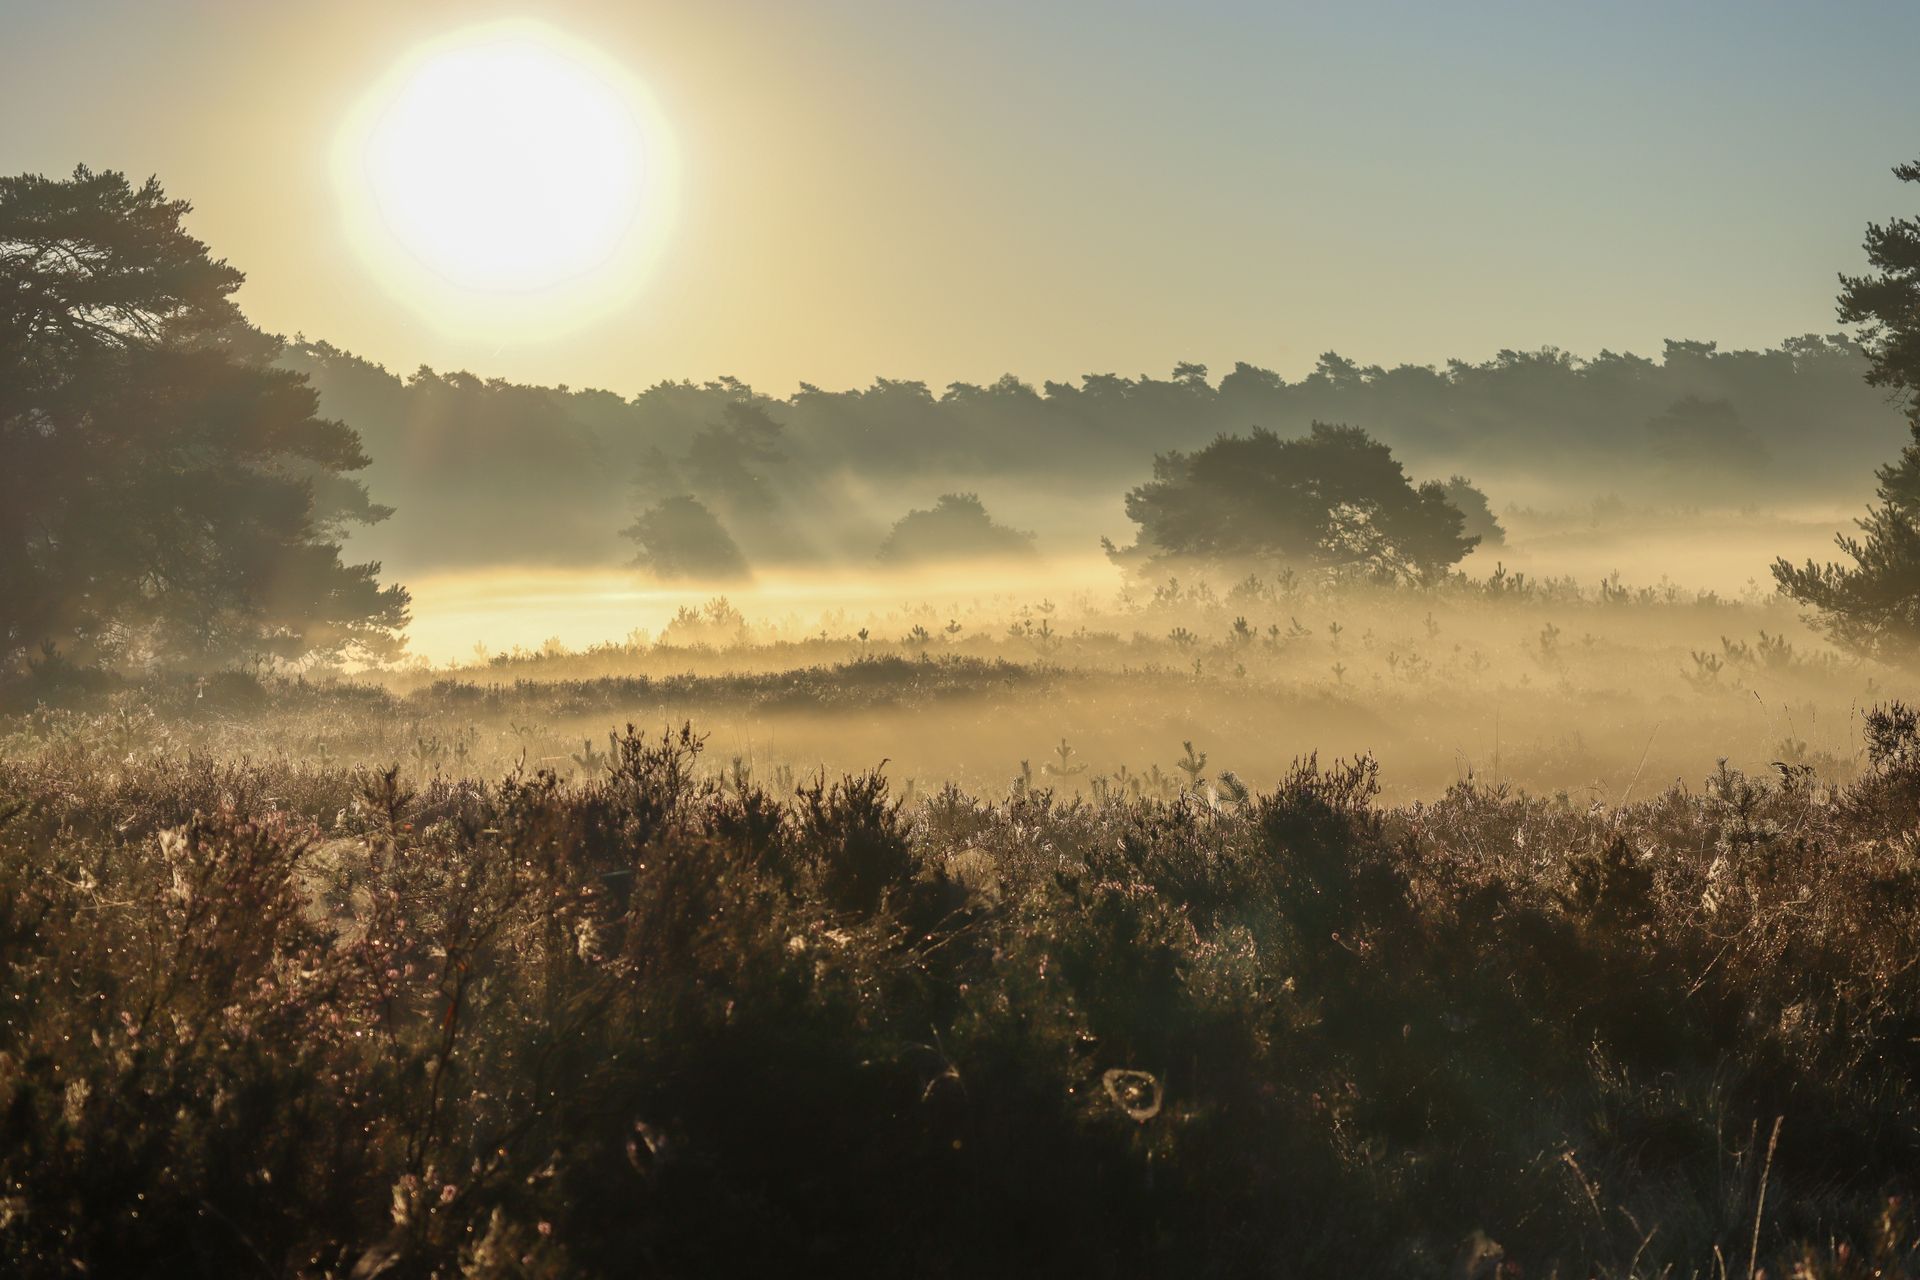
column 262, row 1017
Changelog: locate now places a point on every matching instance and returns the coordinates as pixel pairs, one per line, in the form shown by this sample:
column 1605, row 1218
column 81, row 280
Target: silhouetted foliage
column 167, row 493
column 1705, row 442
column 733, row 459
column 1873, row 605
column 957, row 527
column 542, row 469
column 1334, row 499
column 680, row 538
column 1476, row 513
column 1887, row 303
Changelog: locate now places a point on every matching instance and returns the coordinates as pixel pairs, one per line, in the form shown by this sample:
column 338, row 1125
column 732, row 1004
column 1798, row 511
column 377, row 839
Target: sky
column 954, row 191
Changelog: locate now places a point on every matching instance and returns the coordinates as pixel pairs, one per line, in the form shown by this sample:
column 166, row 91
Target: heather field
column 267, row 1014
column 505, row 969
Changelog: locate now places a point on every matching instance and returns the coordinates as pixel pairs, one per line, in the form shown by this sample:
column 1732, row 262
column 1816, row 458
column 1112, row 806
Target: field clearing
column 664, row 1014
column 1594, row 685
column 526, row 606
column 1541, row 689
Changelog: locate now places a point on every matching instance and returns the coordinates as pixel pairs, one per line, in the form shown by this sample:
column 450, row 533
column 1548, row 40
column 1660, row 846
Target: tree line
column 172, row 488
column 487, row 470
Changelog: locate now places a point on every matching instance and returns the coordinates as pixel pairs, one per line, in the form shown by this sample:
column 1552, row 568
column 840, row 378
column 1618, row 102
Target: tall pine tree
column 168, row 495
column 1873, row 605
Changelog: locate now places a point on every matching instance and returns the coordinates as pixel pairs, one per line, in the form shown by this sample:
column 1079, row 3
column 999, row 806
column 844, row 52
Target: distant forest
column 485, row 471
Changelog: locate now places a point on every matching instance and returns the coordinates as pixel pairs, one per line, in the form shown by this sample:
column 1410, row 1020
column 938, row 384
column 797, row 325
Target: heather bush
column 262, row 1017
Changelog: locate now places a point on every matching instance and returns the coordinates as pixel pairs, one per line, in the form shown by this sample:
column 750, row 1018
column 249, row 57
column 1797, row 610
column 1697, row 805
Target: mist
column 977, row 640
column 483, row 471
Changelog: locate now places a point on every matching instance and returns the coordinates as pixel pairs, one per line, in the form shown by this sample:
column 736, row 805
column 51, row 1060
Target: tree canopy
column 1334, row 499
column 169, row 493
column 679, row 537
column 1480, row 522
column 1886, row 303
column 1873, row 605
column 957, row 527
column 1704, row 443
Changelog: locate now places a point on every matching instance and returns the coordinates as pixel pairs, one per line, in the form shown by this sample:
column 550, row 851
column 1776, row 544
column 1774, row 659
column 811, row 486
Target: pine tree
column 167, row 493
column 1873, row 605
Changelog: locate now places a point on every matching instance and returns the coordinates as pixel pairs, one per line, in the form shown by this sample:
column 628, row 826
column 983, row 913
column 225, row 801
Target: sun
column 505, row 164
column 503, row 169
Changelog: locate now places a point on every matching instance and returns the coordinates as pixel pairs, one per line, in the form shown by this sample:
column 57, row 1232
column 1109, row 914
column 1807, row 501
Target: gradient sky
column 953, row 191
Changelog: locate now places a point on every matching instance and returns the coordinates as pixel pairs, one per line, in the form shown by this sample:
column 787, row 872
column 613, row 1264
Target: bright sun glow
column 506, row 173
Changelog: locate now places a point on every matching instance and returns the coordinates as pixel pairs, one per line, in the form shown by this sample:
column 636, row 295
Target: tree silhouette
column 1704, row 442
column 1334, row 499
column 732, row 460
column 1873, row 605
column 956, row 528
column 1479, row 520
column 167, row 494
column 680, row 538
column 485, row 470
